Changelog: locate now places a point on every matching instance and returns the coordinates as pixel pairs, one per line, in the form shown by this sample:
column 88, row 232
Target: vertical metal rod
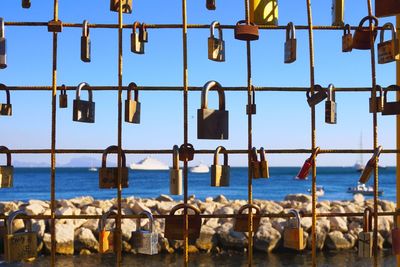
column 398, row 138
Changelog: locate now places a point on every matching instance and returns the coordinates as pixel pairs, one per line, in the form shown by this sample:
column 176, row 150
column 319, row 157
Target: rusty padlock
column 174, row 224
column 320, row 94
column 211, row 123
column 6, row 171
column 6, row 108
column 143, row 34
column 216, row 46
column 390, row 108
column 145, row 241
column 175, row 174
column 106, row 236
column 126, row 6
column 264, row 12
column 264, row 168
column 252, row 108
column 3, row 47
column 290, row 43
column 255, row 164
column 388, row 51
column 220, row 174
column 85, row 42
column 338, row 13
column 83, row 111
column 385, row 8
column 108, row 176
column 210, row 4
column 241, row 219
column 63, row 97
column 376, row 104
column 293, row 234
column 330, row 106
column 132, row 107
column 361, row 37
column 246, row 31
column 55, row 26
column 186, row 152
column 347, row 39
column 137, row 46
column 305, row 169
column 369, row 168
column 365, row 238
column 395, row 235
column 26, row 3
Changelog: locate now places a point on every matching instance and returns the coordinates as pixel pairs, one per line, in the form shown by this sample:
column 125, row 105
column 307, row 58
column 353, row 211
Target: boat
column 319, row 192
column 93, row 169
column 201, row 168
column 359, row 165
column 149, row 164
column 363, row 189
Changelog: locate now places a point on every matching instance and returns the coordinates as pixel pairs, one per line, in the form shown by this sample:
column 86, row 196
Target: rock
column 92, row 224
column 267, row 238
column 91, row 210
column 272, row 207
column 306, row 223
column 321, row 237
column 163, row 245
column 34, row 209
column 209, row 199
column 39, row 202
column 39, row 226
column 64, row 203
column 150, row 203
column 8, row 207
column 165, row 207
column 64, row 211
column 105, row 205
column 339, row 224
column 221, row 199
column 64, row 239
column 336, row 240
column 224, row 210
column 192, row 249
column 86, row 240
column 358, row 198
column 138, row 207
column 82, row 201
column 387, row 206
column 127, row 226
column 298, row 198
column 207, row 239
column 230, row 238
column 164, row 198
column 84, row 252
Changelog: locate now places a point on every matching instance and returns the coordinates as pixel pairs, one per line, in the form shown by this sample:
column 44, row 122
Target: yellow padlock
column 106, row 237
column 264, row 12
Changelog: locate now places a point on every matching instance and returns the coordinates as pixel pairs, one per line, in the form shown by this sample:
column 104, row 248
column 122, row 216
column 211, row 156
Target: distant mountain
column 83, row 162
column 17, row 163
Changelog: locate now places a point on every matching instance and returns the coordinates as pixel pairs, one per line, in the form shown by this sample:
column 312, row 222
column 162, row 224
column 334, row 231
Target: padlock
column 390, row 108
column 85, row 42
column 376, row 104
column 305, row 169
column 388, row 51
column 211, row 123
column 143, row 34
column 137, row 46
column 106, row 236
column 361, row 37
column 255, row 164
column 252, row 108
column 186, row 152
column 3, row 232
column 385, row 8
column 241, row 219
column 264, row 169
column 6, row 171
column 246, row 31
column 145, row 241
column 293, row 234
column 26, row 3
column 338, row 13
column 83, row 111
column 369, row 168
column 132, row 107
column 320, row 94
column 3, row 52
column 264, row 12
column 210, row 4
column 290, row 43
column 175, row 174
column 63, row 98
column 22, row 245
column 347, row 39
column 216, row 46
column 220, row 174
column 365, row 238
column 5, row 108
column 54, row 26
column 108, row 176
column 126, row 6
column 330, row 106
column 174, row 224
column 395, row 235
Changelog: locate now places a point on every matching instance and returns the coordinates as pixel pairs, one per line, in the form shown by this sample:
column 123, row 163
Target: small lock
column 252, row 108
column 347, row 39
column 305, row 169
column 369, row 168
column 106, row 236
column 83, row 111
column 390, row 108
column 108, row 176
column 216, row 46
column 320, row 94
column 174, row 224
column 264, row 12
column 85, row 42
column 290, row 43
column 54, row 26
column 132, row 107
column 63, row 97
column 126, row 6
column 143, row 34
column 210, row 4
column 338, row 13
column 3, row 48
column 361, row 37
column 186, row 152
column 6, row 171
column 220, row 174
column 395, row 235
column 246, row 31
column 365, row 238
column 26, row 3
column 145, row 241
column 264, row 169
column 376, row 104
column 241, row 219
column 137, row 46
column 5, row 108
column 388, row 51
column 255, row 164
column 330, row 106
column 175, row 174
column 293, row 235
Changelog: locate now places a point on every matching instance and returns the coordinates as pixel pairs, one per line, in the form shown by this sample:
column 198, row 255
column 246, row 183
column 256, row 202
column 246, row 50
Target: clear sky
column 282, row 120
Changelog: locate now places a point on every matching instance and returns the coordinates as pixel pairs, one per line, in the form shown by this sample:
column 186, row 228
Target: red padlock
column 395, row 236
column 305, row 170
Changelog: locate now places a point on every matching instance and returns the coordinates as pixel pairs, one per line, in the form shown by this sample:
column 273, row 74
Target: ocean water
column 34, row 183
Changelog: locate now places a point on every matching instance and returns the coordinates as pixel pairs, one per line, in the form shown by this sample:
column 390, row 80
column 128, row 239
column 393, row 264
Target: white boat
column 359, row 165
column 201, row 168
column 363, row 189
column 149, row 164
column 319, row 192
column 93, row 169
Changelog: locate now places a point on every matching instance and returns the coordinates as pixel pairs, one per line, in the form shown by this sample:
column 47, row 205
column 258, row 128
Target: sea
column 34, row 183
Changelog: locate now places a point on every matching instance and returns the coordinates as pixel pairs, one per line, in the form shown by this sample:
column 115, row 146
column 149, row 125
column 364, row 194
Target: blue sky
column 282, row 120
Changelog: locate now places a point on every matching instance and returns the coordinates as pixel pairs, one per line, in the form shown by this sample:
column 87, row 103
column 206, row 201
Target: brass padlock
column 126, row 6
column 390, row 108
column 361, row 37
column 54, row 26
column 293, row 234
column 6, row 171
column 376, row 104
column 108, row 176
column 143, row 34
column 6, row 108
column 264, row 169
column 320, row 94
column 369, row 168
column 211, row 123
column 365, row 238
column 241, row 219
column 330, row 106
column 347, row 39
column 290, row 43
column 210, row 4
column 137, row 46
column 106, row 236
column 246, row 31
column 186, row 152
column 385, row 8
column 132, row 107
column 252, row 108
column 338, row 13
column 83, row 111
column 26, row 3
column 395, row 234
column 264, row 12
column 19, row 246
column 3, row 52
column 85, row 42
column 174, row 224
column 175, row 174
column 63, row 97
column 220, row 174
column 145, row 241
column 255, row 164
column 216, row 46
column 388, row 51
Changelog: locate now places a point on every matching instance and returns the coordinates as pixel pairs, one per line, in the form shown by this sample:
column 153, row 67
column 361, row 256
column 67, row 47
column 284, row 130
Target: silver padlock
column 290, row 43
column 85, row 42
column 137, row 46
column 330, row 106
column 388, row 51
column 3, row 54
column 216, row 46
column 220, row 174
column 175, row 173
column 145, row 241
column 5, row 108
column 83, row 111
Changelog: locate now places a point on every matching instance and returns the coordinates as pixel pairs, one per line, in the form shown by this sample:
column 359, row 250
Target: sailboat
column 359, row 165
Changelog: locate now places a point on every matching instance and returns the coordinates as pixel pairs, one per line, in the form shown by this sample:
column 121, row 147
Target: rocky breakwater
column 80, row 236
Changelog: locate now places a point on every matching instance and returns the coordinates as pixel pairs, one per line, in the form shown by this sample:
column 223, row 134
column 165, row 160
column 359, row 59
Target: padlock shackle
column 175, row 157
column 240, row 22
column 204, row 94
column 112, row 149
column 254, row 154
column 80, row 87
column 85, row 28
column 370, row 18
column 2, row 28
column 104, row 217
column 388, row 26
column 290, row 31
column 216, row 154
column 314, row 154
column 12, row 216
column 149, row 216
column 4, row 87
column 63, row 89
column 134, row 87
column 184, row 206
column 297, row 216
column 136, row 25
column 263, row 155
column 142, row 30
column 347, row 29
column 249, row 206
column 253, row 94
column 377, row 152
column 392, row 87
column 379, row 89
column 367, row 217
column 213, row 25
column 8, row 154
column 331, row 92
column 317, row 88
